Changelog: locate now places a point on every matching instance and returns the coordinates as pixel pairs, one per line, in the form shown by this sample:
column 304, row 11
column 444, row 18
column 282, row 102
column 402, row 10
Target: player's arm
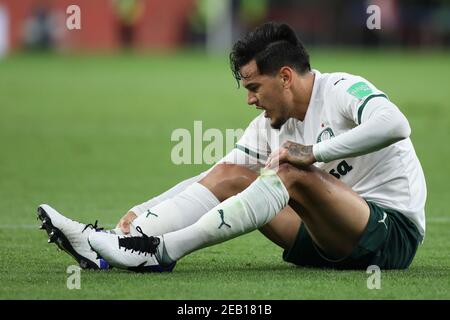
column 380, row 124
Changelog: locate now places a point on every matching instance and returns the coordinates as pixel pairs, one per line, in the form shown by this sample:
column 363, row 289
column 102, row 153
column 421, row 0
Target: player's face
column 266, row 93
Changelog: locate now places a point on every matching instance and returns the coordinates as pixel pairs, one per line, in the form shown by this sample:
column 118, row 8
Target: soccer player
column 327, row 172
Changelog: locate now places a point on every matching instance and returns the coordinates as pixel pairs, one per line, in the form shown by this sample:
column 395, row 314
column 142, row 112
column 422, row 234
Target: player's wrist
column 310, row 158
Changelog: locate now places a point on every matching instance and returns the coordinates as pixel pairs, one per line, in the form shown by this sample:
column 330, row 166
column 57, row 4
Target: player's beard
column 279, row 114
column 278, row 123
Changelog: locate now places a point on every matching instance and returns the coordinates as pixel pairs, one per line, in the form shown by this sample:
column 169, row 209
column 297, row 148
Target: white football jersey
column 391, row 177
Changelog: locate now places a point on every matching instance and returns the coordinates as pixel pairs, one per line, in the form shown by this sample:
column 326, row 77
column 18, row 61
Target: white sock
column 245, row 212
column 176, row 213
column 143, row 207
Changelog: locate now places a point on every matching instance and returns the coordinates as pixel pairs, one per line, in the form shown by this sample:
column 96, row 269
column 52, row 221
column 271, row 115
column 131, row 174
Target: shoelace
column 144, row 244
column 95, row 226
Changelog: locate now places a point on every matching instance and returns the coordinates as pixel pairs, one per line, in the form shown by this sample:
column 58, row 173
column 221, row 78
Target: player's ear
column 286, row 77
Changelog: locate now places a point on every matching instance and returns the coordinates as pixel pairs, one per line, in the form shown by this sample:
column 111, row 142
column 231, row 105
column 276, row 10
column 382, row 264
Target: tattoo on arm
column 300, row 151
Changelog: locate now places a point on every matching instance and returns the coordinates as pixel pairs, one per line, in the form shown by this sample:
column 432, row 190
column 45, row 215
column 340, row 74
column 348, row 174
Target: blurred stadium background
column 173, row 24
column 86, row 118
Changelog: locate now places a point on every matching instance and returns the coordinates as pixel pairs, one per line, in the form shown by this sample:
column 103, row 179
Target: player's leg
column 224, row 180
column 337, row 222
column 72, row 236
column 242, row 213
column 340, row 229
column 283, row 228
column 177, row 212
column 334, row 215
column 185, row 208
column 172, row 214
column 227, row 180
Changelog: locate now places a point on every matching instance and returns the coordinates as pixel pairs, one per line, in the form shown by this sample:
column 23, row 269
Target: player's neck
column 302, row 95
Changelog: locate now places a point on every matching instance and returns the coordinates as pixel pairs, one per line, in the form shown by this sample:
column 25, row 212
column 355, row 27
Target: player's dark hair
column 272, row 45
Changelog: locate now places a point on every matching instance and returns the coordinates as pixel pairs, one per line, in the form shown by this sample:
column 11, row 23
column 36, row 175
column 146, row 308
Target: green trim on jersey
column 361, row 108
column 251, row 153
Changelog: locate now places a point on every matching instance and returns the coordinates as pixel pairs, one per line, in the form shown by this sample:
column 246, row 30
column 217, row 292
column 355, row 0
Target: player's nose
column 251, row 99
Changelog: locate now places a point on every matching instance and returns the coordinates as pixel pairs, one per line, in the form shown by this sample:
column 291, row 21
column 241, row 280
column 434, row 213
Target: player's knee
column 285, row 173
column 293, row 176
column 224, row 171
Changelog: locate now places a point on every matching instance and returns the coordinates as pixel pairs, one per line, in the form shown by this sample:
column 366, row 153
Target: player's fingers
column 131, row 217
column 124, row 222
column 274, row 161
column 271, row 157
column 119, row 224
column 125, row 227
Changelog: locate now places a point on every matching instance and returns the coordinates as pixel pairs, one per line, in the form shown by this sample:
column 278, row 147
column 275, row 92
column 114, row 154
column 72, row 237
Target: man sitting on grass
column 327, row 172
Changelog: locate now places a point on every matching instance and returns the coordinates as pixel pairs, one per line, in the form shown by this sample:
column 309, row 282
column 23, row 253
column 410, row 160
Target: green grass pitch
column 90, row 135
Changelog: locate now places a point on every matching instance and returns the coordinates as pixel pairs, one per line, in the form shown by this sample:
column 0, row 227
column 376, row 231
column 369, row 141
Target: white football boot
column 71, row 236
column 131, row 253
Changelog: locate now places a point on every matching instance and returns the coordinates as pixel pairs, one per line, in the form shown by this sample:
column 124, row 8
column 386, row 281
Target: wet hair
column 272, row 45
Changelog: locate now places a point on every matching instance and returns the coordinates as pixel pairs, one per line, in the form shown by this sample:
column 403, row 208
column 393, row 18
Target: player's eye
column 253, row 88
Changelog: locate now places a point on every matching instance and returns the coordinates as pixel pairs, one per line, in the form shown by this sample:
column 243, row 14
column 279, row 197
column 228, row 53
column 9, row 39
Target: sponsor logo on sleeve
column 360, row 90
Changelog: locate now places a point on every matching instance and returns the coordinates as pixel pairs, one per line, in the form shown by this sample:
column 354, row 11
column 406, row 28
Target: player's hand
column 298, row 155
column 124, row 223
